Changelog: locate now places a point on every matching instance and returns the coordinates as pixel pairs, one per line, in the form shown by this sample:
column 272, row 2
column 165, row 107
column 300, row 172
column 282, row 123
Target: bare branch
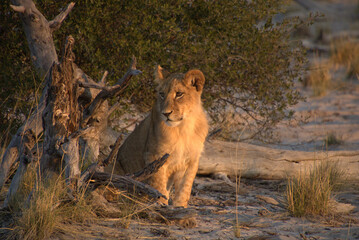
column 100, row 85
column 38, row 35
column 213, row 133
column 247, row 110
column 57, row 21
column 91, row 85
column 150, row 169
column 20, row 9
column 80, row 132
column 108, row 92
column 104, row 78
column 113, row 153
column 132, row 71
column 113, row 108
column 128, row 182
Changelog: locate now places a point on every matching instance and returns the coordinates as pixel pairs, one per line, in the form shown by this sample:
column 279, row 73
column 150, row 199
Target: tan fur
column 181, row 134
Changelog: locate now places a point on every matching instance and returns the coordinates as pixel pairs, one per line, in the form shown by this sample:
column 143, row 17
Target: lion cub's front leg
column 159, row 181
column 183, row 185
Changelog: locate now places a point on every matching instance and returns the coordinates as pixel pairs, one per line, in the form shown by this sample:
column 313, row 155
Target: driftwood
column 252, row 161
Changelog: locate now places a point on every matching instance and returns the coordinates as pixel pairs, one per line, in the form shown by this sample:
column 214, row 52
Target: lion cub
column 176, row 125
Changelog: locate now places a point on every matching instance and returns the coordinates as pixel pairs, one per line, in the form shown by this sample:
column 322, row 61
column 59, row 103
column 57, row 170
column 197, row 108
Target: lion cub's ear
column 160, row 74
column 195, row 78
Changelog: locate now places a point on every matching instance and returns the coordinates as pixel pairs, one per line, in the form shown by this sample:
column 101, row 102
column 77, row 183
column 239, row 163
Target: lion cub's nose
column 167, row 114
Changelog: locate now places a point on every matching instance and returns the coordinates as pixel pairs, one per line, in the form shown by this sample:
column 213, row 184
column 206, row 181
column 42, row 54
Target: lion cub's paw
column 187, row 223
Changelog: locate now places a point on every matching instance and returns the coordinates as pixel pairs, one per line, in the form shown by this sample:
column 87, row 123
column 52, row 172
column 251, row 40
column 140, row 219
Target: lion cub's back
column 130, row 157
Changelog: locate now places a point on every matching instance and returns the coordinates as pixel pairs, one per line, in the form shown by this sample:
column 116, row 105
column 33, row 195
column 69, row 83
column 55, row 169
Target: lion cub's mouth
column 171, row 122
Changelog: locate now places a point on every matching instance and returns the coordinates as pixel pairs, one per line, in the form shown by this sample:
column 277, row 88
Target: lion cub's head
column 178, row 95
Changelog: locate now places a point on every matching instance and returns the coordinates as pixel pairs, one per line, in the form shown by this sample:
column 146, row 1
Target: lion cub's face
column 178, row 95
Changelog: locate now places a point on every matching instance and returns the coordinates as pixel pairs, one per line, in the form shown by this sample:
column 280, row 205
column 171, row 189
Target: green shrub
column 18, row 79
column 236, row 44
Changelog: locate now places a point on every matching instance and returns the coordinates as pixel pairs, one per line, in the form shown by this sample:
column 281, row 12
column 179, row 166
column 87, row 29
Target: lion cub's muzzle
column 168, row 118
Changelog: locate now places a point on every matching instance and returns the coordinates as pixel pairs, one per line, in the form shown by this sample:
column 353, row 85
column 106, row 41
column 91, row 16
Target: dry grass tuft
column 332, row 139
column 310, row 194
column 345, row 52
column 237, row 224
column 319, row 78
column 48, row 208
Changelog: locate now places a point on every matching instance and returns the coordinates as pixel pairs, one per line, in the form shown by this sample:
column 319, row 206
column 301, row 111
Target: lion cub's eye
column 179, row 94
column 162, row 95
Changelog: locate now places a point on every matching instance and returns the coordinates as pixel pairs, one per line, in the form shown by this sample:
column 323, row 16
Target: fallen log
column 252, row 161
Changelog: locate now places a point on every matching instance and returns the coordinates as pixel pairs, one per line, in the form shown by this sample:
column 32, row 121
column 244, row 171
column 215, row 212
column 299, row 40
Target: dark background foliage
column 236, row 44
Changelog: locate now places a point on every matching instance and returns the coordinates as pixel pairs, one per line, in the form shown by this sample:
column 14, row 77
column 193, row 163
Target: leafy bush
column 18, row 79
column 248, row 59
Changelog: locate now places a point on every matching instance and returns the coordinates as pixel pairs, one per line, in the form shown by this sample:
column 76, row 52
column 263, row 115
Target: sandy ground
column 336, row 113
column 258, row 209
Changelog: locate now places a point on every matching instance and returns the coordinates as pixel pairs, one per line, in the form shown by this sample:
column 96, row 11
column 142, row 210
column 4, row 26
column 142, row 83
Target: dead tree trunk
column 73, row 106
column 38, row 33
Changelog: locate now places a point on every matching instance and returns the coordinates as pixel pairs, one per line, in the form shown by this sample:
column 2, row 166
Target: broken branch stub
column 58, row 20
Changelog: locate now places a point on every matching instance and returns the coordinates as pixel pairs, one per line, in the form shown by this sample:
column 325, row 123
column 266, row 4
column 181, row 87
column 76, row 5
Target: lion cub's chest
column 184, row 152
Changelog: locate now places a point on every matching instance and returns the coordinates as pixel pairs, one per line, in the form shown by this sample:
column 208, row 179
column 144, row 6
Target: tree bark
column 61, row 116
